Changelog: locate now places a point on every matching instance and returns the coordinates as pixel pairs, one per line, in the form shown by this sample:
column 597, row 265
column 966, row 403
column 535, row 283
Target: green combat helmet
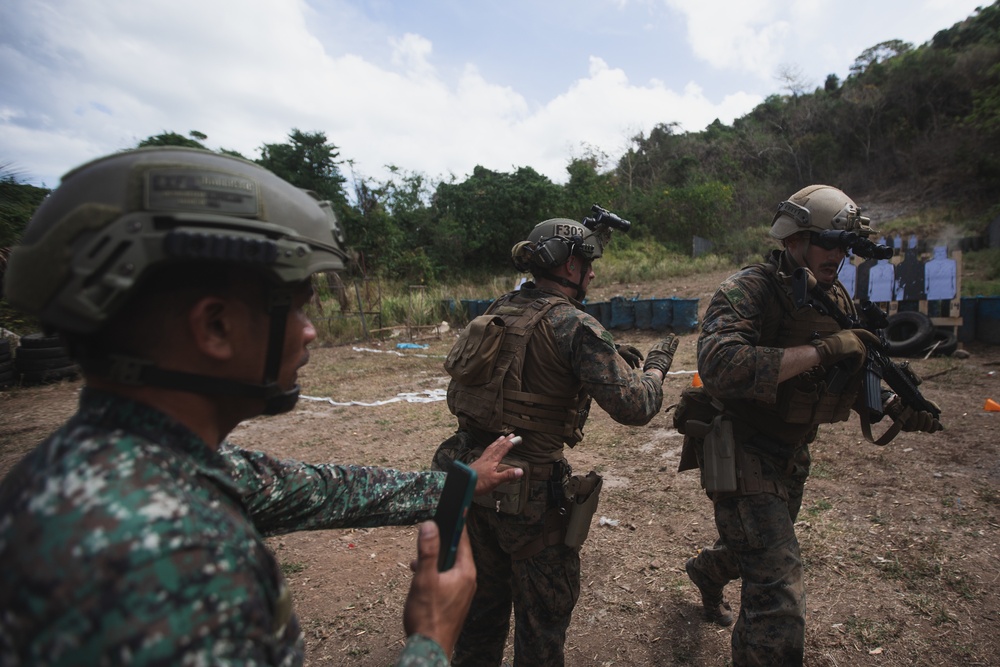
column 113, row 221
column 552, row 242
column 818, row 208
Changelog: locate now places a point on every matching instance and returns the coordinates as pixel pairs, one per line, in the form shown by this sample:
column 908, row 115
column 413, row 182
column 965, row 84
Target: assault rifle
column 900, row 378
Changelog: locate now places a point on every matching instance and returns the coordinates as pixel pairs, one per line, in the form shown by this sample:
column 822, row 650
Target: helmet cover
column 112, row 221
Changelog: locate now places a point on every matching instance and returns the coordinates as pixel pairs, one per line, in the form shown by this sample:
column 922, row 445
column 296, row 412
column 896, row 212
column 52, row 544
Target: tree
column 18, row 201
column 308, row 161
column 879, row 53
column 491, row 211
column 793, row 79
column 174, row 139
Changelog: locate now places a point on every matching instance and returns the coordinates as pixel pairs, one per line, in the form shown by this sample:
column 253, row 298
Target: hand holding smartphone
column 452, row 507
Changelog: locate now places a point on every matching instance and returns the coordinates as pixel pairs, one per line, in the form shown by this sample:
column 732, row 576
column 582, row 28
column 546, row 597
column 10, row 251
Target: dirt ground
column 901, row 543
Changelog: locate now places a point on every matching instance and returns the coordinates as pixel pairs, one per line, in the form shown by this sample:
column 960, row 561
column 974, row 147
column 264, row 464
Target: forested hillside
column 913, row 123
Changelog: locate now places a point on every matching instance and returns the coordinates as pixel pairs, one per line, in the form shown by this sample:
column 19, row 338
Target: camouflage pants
column 757, row 544
column 542, row 589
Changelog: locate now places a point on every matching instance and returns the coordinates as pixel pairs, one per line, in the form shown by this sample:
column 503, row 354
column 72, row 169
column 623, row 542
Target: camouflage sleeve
column 730, row 362
column 628, row 396
column 286, row 496
column 422, row 651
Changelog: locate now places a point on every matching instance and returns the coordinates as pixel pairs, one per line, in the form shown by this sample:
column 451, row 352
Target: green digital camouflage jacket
column 125, row 539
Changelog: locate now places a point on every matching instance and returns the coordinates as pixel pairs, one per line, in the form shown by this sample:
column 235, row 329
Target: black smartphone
column 452, row 507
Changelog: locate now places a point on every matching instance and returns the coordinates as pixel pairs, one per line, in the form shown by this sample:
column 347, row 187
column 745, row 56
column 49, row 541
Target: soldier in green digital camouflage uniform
column 133, row 534
column 767, row 363
column 531, row 365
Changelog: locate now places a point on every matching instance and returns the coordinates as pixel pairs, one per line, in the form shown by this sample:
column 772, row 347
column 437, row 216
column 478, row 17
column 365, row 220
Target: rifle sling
column 885, row 438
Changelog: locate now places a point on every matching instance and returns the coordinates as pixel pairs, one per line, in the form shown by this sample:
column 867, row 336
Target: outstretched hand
column 489, row 474
column 438, row 602
column 661, row 355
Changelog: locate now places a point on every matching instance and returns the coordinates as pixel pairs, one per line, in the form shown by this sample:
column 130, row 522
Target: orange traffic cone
column 696, row 381
column 991, row 406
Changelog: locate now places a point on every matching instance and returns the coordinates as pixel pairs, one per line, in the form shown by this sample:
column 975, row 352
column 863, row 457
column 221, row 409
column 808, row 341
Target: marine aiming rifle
column 878, row 367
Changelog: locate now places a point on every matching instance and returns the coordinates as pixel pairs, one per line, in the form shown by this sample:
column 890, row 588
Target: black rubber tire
column 6, row 366
column 53, row 375
column 6, row 377
column 947, row 343
column 35, row 365
column 908, row 333
column 34, row 353
column 5, row 357
column 40, row 340
column 4, row 346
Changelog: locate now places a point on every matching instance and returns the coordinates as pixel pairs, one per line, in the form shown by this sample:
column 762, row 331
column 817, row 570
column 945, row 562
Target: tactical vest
column 487, row 392
column 809, row 398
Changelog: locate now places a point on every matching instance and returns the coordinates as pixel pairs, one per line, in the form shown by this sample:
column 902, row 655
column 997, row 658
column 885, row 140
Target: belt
column 538, row 471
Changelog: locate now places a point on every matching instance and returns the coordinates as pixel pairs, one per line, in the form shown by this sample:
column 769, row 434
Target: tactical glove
column 661, row 355
column 630, row 354
column 912, row 420
column 845, row 344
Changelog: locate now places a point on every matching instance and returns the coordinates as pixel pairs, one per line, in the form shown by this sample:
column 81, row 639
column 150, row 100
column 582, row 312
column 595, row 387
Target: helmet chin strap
column 135, row 371
column 581, row 293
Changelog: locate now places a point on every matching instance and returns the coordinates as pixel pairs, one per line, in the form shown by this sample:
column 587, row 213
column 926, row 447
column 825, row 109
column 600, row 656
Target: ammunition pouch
column 512, row 497
column 811, row 399
column 582, row 494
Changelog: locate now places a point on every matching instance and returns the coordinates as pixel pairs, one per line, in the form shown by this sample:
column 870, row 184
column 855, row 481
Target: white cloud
column 82, row 78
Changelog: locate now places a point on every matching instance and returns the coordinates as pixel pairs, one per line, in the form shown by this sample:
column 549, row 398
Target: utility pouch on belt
column 582, row 493
column 718, row 473
column 509, row 498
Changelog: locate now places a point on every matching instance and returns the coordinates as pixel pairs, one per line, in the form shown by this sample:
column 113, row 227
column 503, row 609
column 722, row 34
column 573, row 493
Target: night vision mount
column 603, row 218
column 853, row 242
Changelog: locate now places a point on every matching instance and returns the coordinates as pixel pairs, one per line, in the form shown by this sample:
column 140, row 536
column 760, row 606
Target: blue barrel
column 605, row 318
column 643, row 313
column 988, row 320
column 593, row 308
column 967, row 310
column 685, row 315
column 622, row 313
column 662, row 314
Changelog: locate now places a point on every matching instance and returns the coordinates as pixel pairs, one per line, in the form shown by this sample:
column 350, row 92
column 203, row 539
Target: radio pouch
column 512, row 497
column 718, row 472
column 582, row 494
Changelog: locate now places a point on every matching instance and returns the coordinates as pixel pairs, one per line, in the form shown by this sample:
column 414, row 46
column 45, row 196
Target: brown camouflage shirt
column 125, row 539
column 742, row 341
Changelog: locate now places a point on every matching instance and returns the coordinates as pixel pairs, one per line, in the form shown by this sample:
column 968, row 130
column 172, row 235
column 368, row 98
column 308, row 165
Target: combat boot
column 716, row 609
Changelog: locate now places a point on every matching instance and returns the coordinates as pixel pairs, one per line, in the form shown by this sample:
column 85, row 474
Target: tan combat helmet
column 818, row 208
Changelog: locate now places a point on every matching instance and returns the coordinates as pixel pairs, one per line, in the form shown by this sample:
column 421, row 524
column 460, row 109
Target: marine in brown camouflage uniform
column 548, row 382
column 768, row 363
column 134, row 533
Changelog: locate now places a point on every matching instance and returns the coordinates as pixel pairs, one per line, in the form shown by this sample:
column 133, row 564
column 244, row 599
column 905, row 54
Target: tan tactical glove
column 912, row 420
column 845, row 344
column 661, row 355
column 630, row 354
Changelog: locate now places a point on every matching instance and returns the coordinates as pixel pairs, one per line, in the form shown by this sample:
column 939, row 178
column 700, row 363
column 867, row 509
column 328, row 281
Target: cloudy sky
column 432, row 86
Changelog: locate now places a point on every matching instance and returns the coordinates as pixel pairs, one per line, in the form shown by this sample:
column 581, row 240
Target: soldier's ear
column 211, row 325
